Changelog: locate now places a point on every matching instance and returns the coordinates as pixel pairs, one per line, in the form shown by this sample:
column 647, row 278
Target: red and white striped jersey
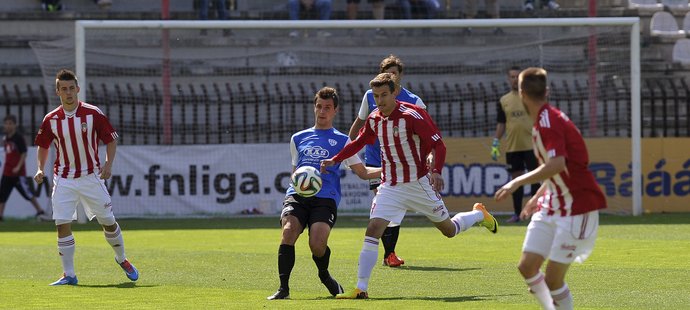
column 76, row 137
column 407, row 136
column 574, row 190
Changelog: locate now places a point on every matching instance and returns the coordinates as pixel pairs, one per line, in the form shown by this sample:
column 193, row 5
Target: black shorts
column 519, row 161
column 9, row 182
column 370, row 1
column 310, row 210
column 374, row 183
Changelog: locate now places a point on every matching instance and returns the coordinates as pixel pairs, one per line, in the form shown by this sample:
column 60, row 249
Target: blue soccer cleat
column 65, row 280
column 131, row 271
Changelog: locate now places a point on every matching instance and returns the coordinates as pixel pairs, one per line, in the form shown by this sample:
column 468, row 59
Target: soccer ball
column 306, row 181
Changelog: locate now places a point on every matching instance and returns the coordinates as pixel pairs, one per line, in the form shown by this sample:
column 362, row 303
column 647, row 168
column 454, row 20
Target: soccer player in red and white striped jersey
column 407, row 135
column 564, row 212
column 75, row 128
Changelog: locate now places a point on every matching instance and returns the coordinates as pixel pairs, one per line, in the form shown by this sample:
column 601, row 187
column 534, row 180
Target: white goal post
column 80, row 47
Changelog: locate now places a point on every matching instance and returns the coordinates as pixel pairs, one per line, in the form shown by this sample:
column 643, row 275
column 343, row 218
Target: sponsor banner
column 471, row 176
column 207, row 180
column 199, row 180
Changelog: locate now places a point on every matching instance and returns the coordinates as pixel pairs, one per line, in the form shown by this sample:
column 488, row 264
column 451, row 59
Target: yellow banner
column 471, row 176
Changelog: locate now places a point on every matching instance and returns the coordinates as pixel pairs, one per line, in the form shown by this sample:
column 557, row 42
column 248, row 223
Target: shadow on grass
column 121, row 285
column 271, row 222
column 427, row 298
column 431, row 268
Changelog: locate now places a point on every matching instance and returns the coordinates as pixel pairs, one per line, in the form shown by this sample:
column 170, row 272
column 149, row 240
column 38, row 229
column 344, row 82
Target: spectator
column 431, row 7
column 51, row 5
column 378, row 10
column 220, row 9
column 104, row 4
column 322, row 7
column 550, row 4
column 492, row 11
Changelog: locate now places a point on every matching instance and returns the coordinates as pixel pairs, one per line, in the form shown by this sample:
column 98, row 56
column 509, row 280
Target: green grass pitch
column 638, row 263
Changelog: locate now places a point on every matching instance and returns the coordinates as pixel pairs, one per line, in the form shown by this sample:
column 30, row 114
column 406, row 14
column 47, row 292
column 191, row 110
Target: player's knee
column 106, row 221
column 317, row 248
column 526, row 270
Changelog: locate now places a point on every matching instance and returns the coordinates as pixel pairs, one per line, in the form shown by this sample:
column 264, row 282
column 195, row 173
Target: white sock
column 464, row 220
column 562, row 298
column 117, row 242
column 66, row 251
column 538, row 288
column 367, row 261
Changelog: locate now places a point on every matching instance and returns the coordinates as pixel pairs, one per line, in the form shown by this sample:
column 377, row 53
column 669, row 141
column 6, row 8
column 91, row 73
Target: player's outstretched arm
column 550, row 168
column 531, row 205
column 366, row 173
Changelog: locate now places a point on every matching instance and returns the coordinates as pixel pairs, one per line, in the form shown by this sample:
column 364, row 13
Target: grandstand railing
column 270, row 113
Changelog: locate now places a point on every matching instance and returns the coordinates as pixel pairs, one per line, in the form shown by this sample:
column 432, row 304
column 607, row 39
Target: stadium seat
column 676, row 5
column 686, row 23
column 645, row 6
column 664, row 25
column 681, row 52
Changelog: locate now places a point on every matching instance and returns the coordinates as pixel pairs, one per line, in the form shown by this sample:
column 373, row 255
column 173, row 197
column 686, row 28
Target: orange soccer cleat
column 393, row 260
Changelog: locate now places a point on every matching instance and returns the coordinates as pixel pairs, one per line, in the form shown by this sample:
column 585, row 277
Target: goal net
column 205, row 110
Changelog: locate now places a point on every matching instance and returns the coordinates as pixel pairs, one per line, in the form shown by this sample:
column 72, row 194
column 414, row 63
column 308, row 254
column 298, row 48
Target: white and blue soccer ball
column 306, row 181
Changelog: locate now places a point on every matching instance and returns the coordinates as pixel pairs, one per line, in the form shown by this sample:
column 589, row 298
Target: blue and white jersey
column 308, row 147
column 372, row 152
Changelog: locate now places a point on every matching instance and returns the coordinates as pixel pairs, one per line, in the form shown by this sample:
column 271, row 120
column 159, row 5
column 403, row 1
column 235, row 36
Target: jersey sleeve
column 106, row 132
column 352, row 160
column 429, row 134
column 364, row 108
column 420, row 103
column 21, row 144
column 553, row 138
column 500, row 114
column 366, row 136
column 45, row 135
column 293, row 151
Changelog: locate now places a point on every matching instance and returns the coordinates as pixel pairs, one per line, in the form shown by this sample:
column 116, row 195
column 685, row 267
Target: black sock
column 518, row 194
column 390, row 239
column 286, row 260
column 322, row 264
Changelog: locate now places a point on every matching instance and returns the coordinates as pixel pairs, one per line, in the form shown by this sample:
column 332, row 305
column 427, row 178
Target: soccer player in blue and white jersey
column 308, row 147
column 372, row 153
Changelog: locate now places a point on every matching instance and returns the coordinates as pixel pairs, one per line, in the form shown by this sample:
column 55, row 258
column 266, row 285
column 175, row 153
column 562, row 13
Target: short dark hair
column 391, row 61
column 327, row 93
column 11, row 118
column 514, row 68
column 65, row 75
column 384, row 79
column 533, row 83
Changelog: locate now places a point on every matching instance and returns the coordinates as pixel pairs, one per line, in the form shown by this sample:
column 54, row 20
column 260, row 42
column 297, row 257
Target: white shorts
column 391, row 202
column 563, row 239
column 89, row 190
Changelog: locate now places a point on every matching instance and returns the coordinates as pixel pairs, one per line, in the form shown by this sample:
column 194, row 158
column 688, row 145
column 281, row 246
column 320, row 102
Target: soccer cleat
column 65, row 280
column 333, row 286
column 489, row 220
column 393, row 260
column 353, row 294
column 131, row 271
column 280, row 294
